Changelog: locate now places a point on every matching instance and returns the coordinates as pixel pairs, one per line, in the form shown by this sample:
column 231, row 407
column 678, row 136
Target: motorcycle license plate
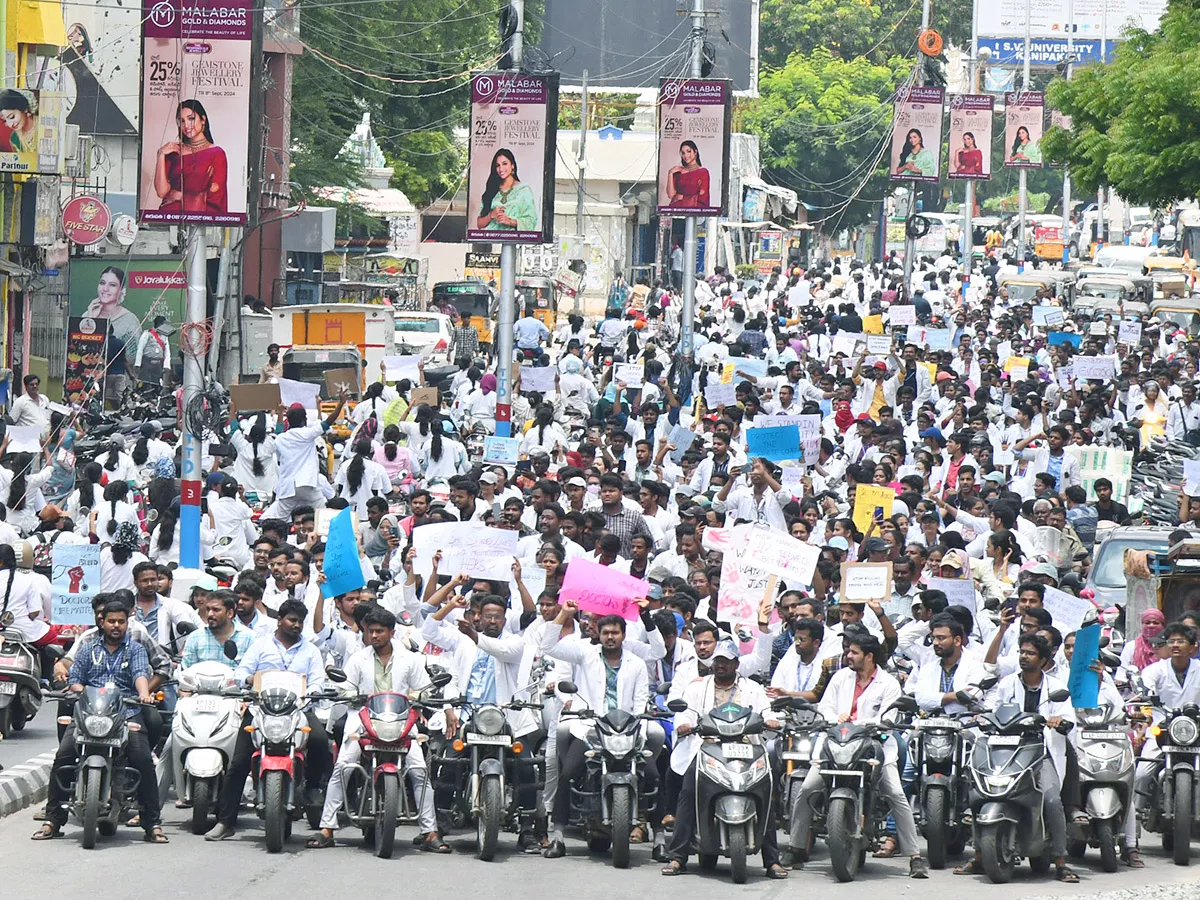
column 1105, row 735
column 491, row 740
column 737, row 751
column 797, row 757
column 1194, row 748
column 938, row 723
column 8, row 687
column 208, row 704
column 1005, row 740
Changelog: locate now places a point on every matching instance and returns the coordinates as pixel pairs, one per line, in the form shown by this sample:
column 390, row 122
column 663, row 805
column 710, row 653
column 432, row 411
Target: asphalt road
column 191, row 869
column 39, row 736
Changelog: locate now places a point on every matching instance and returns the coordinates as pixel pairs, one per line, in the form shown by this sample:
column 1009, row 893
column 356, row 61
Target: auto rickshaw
column 310, row 364
column 1131, row 310
column 1182, row 312
column 1024, row 287
column 541, row 293
column 1166, row 284
column 1154, row 264
column 1169, row 582
column 476, row 299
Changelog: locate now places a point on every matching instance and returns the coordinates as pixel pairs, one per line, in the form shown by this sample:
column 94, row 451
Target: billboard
column 693, row 146
column 510, row 178
column 85, row 356
column 970, row 138
column 128, row 293
column 917, row 135
column 1093, row 19
column 32, row 136
column 1024, row 115
column 634, row 43
column 194, row 165
column 98, row 70
column 1046, row 52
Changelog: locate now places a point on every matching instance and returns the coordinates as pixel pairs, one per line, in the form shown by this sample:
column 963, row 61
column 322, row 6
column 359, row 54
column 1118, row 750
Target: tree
column 1136, row 122
column 824, row 123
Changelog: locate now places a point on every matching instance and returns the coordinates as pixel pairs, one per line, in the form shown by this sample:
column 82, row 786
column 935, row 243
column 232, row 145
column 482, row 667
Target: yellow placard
column 873, row 325
column 868, row 498
column 727, row 370
column 1014, row 362
column 932, row 367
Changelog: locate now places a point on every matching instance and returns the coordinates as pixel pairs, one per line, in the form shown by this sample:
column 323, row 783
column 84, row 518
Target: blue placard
column 1054, row 338
column 937, row 338
column 343, row 572
column 743, row 365
column 776, row 444
column 501, row 451
column 1084, row 684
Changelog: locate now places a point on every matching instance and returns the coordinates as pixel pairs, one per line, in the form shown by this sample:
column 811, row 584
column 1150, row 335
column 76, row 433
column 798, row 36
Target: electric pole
column 1022, row 195
column 507, row 317
column 687, row 314
column 1066, row 193
column 193, row 347
column 581, row 166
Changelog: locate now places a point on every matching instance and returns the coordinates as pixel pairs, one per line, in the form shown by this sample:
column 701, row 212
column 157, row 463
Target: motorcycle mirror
column 230, row 649
column 333, row 673
column 677, row 705
column 988, row 683
column 781, row 703
column 664, row 688
column 800, row 703
column 441, row 679
column 185, row 628
column 962, row 697
column 1059, row 696
column 151, row 516
column 567, row 687
column 905, row 703
column 1104, row 641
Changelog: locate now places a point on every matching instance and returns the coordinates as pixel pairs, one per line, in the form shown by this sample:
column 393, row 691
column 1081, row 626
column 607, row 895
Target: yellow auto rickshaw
column 476, row 299
column 1024, row 287
column 1154, row 264
column 1182, row 312
column 540, row 293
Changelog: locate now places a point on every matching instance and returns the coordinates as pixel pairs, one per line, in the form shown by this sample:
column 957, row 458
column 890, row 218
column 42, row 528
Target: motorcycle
column 376, row 801
column 734, row 787
column 801, row 727
column 606, row 800
column 280, row 736
column 102, row 786
column 1006, row 801
column 205, row 731
column 1173, row 807
column 484, row 780
column 1106, row 769
column 20, row 682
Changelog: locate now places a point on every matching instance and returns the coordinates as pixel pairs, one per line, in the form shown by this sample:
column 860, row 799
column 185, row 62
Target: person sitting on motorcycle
column 937, row 685
column 1175, row 681
column 1030, row 688
column 284, row 650
column 122, row 661
column 860, row 693
column 723, row 686
column 608, row 678
column 384, row 665
column 208, row 644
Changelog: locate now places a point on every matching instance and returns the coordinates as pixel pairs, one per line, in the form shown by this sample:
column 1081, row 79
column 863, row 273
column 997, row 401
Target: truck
column 315, row 338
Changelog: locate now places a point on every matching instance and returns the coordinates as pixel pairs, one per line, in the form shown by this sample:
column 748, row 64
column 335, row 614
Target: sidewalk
column 25, row 784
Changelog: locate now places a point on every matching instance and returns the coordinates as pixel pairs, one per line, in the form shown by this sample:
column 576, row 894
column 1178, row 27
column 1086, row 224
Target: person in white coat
column 385, row 664
column 299, row 481
column 862, row 693
column 937, row 685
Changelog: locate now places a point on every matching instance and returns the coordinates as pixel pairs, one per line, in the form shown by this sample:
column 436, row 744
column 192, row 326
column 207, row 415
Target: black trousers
column 318, row 763
column 448, row 779
column 137, row 751
column 684, row 835
column 572, row 761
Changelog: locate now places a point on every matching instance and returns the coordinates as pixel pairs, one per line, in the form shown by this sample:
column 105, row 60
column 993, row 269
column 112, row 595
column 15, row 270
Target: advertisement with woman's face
column 693, row 146
column 195, row 112
column 513, row 142
column 970, row 136
column 1024, row 114
column 127, row 296
column 917, row 135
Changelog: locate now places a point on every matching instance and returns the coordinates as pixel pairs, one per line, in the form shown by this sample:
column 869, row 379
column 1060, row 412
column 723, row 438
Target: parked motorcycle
column 1106, row 767
column 20, row 682
column 1006, row 800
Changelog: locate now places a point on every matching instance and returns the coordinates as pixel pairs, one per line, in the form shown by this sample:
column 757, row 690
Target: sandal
column 434, row 844
column 1133, row 859
column 155, row 836
column 888, row 850
column 776, row 871
column 134, row 821
column 1066, row 876
column 637, row 835
column 47, row 832
column 970, row 867
column 674, row 867
column 320, row 841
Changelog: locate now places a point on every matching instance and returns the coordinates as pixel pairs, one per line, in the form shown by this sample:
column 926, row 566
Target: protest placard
column 1067, row 609
column 397, row 368
column 902, row 315
column 345, row 380
column 845, row 342
column 74, row 581
column 873, row 324
column 743, row 366
column 681, row 438
column 324, row 518
column 866, row 581
column 716, row 395
column 744, row 587
column 1054, row 338
column 501, row 451
column 879, row 344
column 631, row 374
column 424, row 396
column 1083, row 683
column 1191, row 477
column 1129, row 333
column 777, row 444
column 467, row 547
column 1003, row 351
column 540, row 379
column 602, row 589
column 780, row 554
column 247, row 398
column 23, row 439
column 1104, row 367
column 959, row 591
column 342, row 569
column 292, row 392
column 869, row 499
column 810, row 439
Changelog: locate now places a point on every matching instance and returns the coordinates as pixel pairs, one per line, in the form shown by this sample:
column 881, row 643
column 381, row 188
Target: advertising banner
column 85, row 358
column 195, row 115
column 693, row 146
column 32, row 136
column 971, row 136
column 917, row 135
column 510, row 180
column 1024, row 115
column 1092, row 19
column 97, row 69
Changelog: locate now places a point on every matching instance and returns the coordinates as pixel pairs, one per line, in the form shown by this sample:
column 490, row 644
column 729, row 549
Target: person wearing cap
column 721, row 687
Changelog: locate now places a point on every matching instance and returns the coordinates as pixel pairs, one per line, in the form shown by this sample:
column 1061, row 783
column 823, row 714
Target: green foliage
column 1136, row 122
column 603, row 109
column 1011, row 203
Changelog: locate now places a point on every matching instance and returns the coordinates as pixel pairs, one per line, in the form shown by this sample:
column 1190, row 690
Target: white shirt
column 298, row 466
column 243, row 466
column 114, row 577
column 28, row 413
column 881, row 693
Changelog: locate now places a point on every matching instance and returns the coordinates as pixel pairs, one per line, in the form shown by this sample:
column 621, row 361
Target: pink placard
column 603, row 590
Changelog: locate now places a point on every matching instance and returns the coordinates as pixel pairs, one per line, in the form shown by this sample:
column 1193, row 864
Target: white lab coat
column 700, row 697
column 633, row 683
column 881, row 693
column 1012, row 690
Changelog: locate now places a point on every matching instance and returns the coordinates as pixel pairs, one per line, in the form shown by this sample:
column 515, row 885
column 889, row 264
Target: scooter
column 207, row 720
column 20, row 682
column 734, row 787
column 1106, row 768
column 1006, row 800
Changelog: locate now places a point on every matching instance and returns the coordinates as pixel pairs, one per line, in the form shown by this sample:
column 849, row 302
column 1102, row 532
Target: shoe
column 219, row 832
column 659, row 853
column 556, row 850
column 917, row 868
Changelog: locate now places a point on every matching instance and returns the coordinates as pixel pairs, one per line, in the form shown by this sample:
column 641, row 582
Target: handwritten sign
column 301, row 392
column 1083, row 683
column 1067, row 609
column 397, row 368
column 879, row 344
column 602, row 590
column 810, row 439
column 343, row 571
column 780, row 554
column 866, row 581
column 1104, row 367
column 501, row 451
column 776, row 444
column 720, row 395
column 467, row 547
column 339, row 380
column 844, row 342
column 872, row 325
column 539, row 378
column 867, row 499
column 74, row 581
column 744, row 587
column 632, row 374
column 958, row 591
column 1129, row 333
column 681, row 438
column 324, row 519
column 1047, row 315
column 902, row 315
column 742, row 366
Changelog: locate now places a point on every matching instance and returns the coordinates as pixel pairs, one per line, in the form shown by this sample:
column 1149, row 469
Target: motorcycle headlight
column 488, row 720
column 732, row 775
column 619, row 745
column 98, row 726
column 939, row 747
column 388, row 732
column 998, row 784
column 277, row 729
column 841, row 754
column 1183, row 731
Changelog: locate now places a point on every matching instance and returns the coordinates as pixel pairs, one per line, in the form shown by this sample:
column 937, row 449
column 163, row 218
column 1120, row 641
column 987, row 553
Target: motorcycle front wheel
column 1181, row 826
column 202, row 794
column 386, row 814
column 275, row 812
column 622, row 825
column 487, row 829
column 90, row 812
column 935, row 827
column 843, row 848
column 1107, row 838
column 737, row 853
column 997, row 847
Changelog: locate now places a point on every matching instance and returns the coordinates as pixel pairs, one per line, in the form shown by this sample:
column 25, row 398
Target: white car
column 423, row 333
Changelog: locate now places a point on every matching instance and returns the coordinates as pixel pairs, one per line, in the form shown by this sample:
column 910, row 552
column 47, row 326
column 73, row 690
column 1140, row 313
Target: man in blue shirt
column 285, row 650
column 528, row 332
column 122, row 663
